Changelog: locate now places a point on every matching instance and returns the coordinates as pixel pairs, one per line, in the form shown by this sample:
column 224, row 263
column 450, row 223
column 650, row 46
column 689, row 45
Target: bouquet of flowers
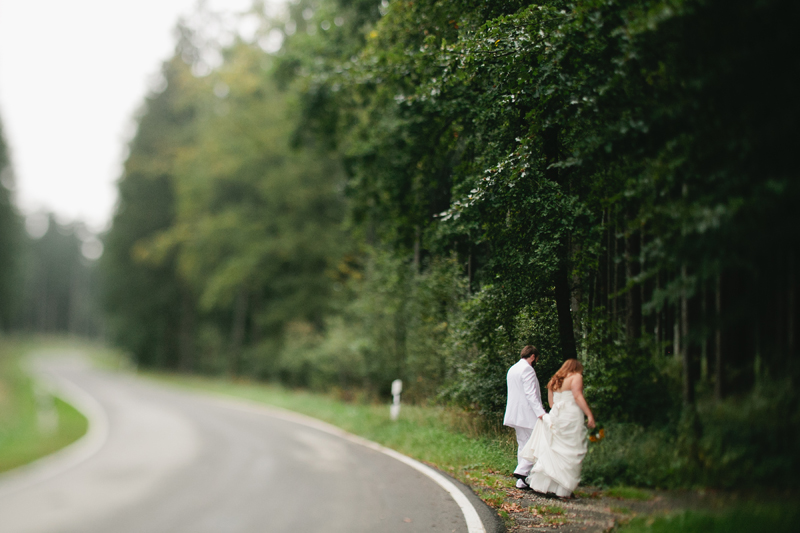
column 597, row 434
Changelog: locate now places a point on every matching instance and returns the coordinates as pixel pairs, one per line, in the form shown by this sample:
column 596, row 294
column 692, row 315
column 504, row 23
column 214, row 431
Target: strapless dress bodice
column 563, row 396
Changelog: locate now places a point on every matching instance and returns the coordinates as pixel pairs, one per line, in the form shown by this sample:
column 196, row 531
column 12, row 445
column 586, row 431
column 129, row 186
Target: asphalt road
column 160, row 459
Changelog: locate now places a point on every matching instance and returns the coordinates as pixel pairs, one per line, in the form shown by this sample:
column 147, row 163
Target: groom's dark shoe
column 521, row 478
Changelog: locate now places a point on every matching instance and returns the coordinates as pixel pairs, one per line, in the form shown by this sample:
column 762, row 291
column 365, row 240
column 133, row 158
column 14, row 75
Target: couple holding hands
column 551, row 446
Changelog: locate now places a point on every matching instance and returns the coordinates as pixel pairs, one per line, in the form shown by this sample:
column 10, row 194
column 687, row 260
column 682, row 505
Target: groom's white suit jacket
column 524, row 406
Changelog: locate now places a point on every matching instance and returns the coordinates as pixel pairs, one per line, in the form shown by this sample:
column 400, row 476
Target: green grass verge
column 32, row 424
column 628, row 493
column 747, row 519
column 25, row 443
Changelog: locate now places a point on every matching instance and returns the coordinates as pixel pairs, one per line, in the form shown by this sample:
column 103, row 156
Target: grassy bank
column 747, row 519
column 33, row 423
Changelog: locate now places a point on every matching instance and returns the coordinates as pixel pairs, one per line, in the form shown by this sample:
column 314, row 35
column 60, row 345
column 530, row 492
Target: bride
column 558, row 442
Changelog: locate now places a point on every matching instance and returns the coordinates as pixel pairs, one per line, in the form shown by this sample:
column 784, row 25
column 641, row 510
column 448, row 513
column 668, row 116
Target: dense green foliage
column 418, row 189
column 736, row 443
column 583, row 155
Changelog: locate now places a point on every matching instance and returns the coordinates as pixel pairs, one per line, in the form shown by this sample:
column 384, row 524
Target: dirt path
column 594, row 511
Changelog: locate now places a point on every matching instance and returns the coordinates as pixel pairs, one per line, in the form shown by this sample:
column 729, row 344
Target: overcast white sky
column 72, row 75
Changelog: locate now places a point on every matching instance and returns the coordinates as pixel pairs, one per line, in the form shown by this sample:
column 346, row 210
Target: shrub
column 480, row 351
column 745, row 442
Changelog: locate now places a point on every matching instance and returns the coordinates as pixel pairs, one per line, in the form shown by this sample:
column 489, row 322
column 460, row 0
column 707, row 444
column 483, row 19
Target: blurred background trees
column 47, row 274
column 59, row 289
column 10, row 235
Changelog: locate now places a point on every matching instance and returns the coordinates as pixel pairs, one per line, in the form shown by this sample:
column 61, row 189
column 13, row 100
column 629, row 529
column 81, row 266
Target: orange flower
column 596, row 437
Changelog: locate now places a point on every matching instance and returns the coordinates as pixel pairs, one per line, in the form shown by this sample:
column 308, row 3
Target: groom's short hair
column 527, row 351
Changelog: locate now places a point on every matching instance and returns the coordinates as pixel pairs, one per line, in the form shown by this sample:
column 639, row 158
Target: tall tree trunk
column 609, row 268
column 575, row 301
column 598, row 275
column 642, row 292
column 255, row 308
column 658, row 327
column 417, row 247
column 469, row 271
column 237, row 330
column 563, row 294
column 73, row 304
column 370, row 236
column 186, row 339
column 565, row 326
column 718, row 366
column 592, row 298
column 704, row 345
column 686, row 352
column 676, row 332
column 791, row 319
column 400, row 341
column 615, row 278
column 633, row 298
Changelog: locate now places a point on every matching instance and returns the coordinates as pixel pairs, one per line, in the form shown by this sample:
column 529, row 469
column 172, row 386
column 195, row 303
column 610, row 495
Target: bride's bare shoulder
column 571, row 381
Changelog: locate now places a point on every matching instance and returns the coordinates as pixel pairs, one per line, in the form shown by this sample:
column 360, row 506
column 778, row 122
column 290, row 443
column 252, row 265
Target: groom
column 524, row 407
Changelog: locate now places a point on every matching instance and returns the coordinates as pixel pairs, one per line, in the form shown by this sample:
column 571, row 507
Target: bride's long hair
column 570, row 366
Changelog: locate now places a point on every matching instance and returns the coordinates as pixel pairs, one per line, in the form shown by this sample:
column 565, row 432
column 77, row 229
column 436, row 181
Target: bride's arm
column 550, row 398
column 577, row 392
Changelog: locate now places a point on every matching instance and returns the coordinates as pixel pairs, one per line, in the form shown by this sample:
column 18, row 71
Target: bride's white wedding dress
column 557, row 447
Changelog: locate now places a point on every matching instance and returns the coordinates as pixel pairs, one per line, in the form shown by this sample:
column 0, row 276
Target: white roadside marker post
column 394, row 409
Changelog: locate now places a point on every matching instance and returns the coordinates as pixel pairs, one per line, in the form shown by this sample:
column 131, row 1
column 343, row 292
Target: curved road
column 159, row 459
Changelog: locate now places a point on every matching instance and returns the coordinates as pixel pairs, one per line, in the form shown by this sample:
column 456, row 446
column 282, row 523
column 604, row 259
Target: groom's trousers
column 523, row 465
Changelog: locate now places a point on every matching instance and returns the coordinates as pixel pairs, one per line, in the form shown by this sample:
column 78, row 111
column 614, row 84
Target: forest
column 48, row 284
column 369, row 190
